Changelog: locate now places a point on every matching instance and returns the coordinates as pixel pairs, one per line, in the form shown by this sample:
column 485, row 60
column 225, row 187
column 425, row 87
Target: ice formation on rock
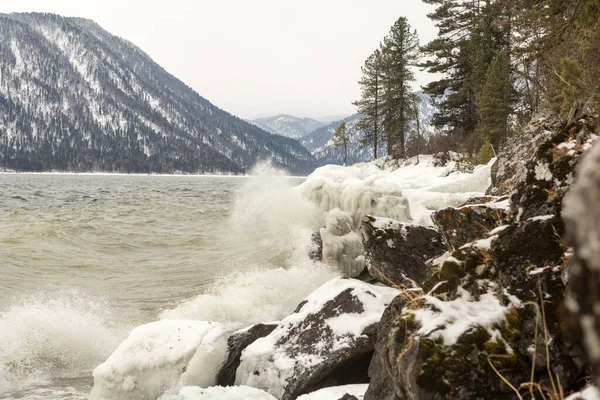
column 160, row 356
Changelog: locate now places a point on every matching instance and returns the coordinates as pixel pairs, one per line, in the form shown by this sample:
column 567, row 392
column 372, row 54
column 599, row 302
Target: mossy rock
column 466, row 268
column 458, row 371
column 467, row 223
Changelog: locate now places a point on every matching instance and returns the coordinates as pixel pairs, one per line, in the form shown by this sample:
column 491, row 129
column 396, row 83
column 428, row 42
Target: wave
column 250, row 297
column 270, row 227
column 45, row 335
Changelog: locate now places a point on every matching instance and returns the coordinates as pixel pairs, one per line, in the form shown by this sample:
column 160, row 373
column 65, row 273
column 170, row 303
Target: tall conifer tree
column 400, row 50
column 369, row 105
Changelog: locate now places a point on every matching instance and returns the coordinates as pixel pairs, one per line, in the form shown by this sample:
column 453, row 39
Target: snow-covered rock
column 334, row 324
column 355, row 392
column 588, row 393
column 159, row 356
column 461, row 225
column 511, row 162
column 216, row 393
column 482, row 304
column 547, row 174
column 406, row 192
column 396, row 252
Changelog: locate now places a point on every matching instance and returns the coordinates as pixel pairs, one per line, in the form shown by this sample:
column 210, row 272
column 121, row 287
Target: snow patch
column 497, row 230
column 541, row 217
column 217, row 393
column 481, row 244
column 453, row 318
column 542, row 172
column 336, row 392
column 588, row 393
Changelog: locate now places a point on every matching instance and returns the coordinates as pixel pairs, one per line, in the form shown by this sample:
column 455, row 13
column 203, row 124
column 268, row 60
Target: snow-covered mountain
column 320, row 141
column 287, row 125
column 74, row 97
column 320, row 144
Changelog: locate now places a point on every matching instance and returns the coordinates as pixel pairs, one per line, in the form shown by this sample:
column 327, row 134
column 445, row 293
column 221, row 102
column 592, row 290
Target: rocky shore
column 498, row 299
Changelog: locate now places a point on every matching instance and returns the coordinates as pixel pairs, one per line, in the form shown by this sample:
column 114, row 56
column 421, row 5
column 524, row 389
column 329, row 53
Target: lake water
column 85, row 258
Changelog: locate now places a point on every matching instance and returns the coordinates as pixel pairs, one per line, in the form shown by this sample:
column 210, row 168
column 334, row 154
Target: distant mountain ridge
column 287, row 125
column 73, row 97
column 320, row 144
column 320, row 141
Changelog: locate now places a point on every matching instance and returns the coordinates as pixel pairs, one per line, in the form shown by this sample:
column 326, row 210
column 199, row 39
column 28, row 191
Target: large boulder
column 236, row 343
column 395, row 252
column 582, row 217
column 511, row 161
column 332, row 330
column 488, row 313
column 381, row 384
column 550, row 171
column 160, row 356
column 461, row 225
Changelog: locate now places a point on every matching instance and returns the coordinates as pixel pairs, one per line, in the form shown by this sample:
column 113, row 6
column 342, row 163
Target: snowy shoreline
column 338, row 197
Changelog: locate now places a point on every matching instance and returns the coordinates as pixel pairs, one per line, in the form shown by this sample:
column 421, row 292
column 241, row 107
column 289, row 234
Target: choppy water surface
column 84, row 258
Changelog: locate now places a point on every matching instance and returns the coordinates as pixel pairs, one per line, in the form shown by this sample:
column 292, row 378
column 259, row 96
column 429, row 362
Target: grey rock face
column 381, row 385
column 396, row 252
column 510, row 164
column 582, row 217
column 548, row 174
column 519, row 265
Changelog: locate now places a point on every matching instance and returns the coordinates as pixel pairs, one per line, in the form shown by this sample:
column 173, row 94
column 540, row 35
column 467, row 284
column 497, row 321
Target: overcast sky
column 255, row 57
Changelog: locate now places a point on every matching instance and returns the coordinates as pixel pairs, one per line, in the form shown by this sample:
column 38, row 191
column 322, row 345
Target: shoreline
column 142, row 174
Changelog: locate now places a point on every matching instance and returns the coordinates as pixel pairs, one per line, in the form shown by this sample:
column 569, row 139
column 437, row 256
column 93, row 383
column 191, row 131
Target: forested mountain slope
column 74, row 97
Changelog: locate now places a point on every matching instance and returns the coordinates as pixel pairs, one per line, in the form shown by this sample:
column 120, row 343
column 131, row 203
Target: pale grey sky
column 255, row 57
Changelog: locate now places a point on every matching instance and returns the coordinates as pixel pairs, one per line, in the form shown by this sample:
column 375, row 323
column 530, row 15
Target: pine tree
column 471, row 35
column 369, row 105
column 495, row 101
column 341, row 138
column 451, row 55
column 400, row 53
column 561, row 46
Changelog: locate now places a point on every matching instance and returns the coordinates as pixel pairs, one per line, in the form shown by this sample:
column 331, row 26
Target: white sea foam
column 46, row 334
column 271, row 217
column 270, row 221
column 254, row 296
